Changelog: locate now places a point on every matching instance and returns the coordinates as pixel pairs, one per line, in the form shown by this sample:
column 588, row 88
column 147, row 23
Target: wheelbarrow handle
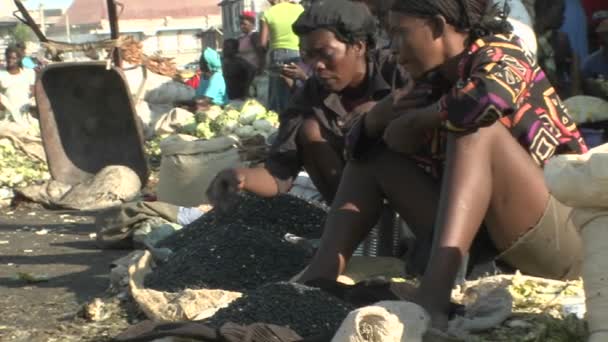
column 27, row 19
column 114, row 31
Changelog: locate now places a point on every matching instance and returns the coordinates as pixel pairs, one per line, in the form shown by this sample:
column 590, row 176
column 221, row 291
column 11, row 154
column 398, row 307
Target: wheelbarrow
column 87, row 116
column 88, row 121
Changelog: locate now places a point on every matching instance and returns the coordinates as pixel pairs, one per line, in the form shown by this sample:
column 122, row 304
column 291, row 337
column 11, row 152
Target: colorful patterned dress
column 499, row 81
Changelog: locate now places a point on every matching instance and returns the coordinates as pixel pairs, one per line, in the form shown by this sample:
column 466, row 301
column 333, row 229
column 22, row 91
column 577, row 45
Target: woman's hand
column 389, row 108
column 294, row 72
column 223, row 190
column 406, row 133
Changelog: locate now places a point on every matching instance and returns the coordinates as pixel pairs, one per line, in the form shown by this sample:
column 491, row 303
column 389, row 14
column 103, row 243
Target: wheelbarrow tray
column 88, row 121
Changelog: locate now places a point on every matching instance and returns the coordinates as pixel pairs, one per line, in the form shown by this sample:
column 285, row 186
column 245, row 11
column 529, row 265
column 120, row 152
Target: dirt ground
column 49, row 268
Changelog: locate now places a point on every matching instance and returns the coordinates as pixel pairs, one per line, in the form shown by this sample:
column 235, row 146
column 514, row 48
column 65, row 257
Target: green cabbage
column 204, row 131
column 269, row 116
column 250, row 112
column 262, row 125
column 17, row 169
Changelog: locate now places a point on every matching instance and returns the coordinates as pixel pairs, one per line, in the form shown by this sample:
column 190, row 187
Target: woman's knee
column 483, row 139
column 310, row 131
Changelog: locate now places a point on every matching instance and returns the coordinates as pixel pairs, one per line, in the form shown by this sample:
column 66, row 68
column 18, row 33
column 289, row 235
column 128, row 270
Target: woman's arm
column 486, row 95
column 264, row 35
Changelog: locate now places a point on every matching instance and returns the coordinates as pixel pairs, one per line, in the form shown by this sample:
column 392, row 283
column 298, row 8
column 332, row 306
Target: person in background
column 594, row 23
column 595, row 67
column 468, row 165
column 346, row 82
column 212, row 87
column 16, row 87
column 555, row 56
column 249, row 43
column 27, row 62
column 396, row 75
column 380, row 10
column 521, row 20
column 195, row 80
column 238, row 72
column 276, row 36
column 592, row 7
column 575, row 26
column 296, row 74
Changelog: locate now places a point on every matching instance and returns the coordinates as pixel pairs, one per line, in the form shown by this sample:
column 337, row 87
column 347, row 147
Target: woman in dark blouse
column 337, row 39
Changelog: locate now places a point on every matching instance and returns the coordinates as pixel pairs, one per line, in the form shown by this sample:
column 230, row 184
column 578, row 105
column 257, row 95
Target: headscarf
column 213, row 59
column 250, row 15
column 349, row 21
column 478, row 17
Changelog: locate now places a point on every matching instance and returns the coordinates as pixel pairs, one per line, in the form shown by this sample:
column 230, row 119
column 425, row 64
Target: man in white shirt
column 16, row 85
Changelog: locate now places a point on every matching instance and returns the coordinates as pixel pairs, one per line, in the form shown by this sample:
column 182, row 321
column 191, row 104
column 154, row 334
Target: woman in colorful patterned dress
column 471, row 163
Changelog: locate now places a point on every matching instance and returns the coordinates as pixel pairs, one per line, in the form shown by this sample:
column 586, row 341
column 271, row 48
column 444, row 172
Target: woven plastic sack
column 582, row 182
column 587, row 108
column 188, row 166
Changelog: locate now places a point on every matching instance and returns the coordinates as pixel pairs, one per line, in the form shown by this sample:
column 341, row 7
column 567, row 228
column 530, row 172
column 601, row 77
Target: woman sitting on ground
column 470, row 163
column 346, row 82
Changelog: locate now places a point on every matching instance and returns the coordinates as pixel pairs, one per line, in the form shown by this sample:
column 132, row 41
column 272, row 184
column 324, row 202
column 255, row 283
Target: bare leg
column 488, row 176
column 358, row 206
column 323, row 164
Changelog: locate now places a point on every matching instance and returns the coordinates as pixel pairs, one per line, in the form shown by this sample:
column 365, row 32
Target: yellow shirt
column 279, row 18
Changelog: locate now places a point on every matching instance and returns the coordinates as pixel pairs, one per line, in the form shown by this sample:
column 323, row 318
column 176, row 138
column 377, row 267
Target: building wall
column 171, row 37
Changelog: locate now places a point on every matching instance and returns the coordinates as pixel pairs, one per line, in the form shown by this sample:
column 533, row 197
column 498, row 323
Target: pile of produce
column 17, row 169
column 233, row 257
column 278, row 215
column 249, row 120
column 308, row 311
column 241, row 251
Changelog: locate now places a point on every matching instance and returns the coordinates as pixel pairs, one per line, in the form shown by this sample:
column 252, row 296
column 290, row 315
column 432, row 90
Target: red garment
column 592, row 6
column 194, row 81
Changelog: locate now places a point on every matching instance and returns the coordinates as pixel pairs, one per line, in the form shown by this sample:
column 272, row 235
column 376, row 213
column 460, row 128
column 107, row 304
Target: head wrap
column 350, row 21
column 213, row 59
column 478, row 17
column 248, row 15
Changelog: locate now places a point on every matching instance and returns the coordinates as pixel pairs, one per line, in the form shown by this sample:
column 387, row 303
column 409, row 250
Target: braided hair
column 477, row 17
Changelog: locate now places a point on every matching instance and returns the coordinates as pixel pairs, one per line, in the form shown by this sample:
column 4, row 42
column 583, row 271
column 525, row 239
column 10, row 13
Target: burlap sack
column 166, row 306
column 582, row 182
column 389, row 321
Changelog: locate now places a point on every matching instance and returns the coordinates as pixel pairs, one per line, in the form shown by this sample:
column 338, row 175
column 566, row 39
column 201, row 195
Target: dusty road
column 56, row 246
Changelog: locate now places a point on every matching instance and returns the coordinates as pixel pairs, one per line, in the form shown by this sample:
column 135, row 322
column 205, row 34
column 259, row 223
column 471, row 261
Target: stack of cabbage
column 17, row 169
column 248, row 121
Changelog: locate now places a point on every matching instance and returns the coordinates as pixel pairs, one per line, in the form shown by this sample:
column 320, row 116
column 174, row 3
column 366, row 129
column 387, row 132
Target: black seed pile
column 233, row 257
column 278, row 216
column 306, row 310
